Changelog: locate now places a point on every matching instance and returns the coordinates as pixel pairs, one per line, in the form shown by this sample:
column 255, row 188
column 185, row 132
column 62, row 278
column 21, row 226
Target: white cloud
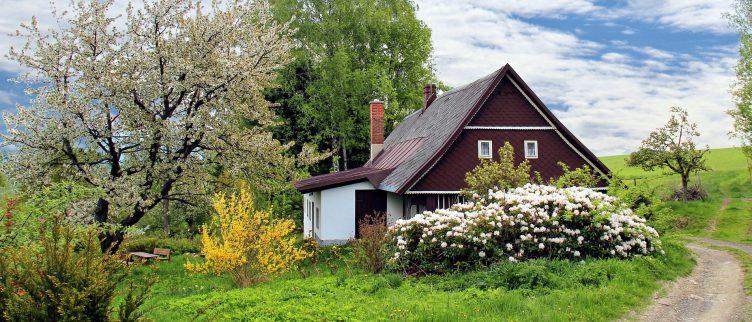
column 691, row 15
column 614, row 57
column 7, row 98
column 610, row 99
column 532, row 8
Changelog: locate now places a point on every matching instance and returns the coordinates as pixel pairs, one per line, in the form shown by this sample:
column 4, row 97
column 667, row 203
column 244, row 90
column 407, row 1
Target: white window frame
column 537, row 153
column 490, row 149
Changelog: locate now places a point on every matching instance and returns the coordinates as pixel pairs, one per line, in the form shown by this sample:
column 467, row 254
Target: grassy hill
column 728, row 178
column 726, row 214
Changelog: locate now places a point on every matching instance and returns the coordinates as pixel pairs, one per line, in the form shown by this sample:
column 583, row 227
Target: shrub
column 579, row 177
column 65, row 276
column 493, row 175
column 692, row 192
column 248, row 243
column 369, row 248
column 532, row 221
column 175, row 245
column 645, row 201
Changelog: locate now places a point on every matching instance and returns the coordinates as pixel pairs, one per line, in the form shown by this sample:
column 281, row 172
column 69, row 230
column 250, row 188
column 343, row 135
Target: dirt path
column 714, row 221
column 713, row 292
column 743, row 247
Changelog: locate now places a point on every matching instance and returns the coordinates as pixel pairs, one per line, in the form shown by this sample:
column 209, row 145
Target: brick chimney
column 377, row 127
column 429, row 94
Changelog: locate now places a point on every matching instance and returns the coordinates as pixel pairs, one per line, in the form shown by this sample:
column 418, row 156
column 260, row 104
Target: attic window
column 484, row 149
column 531, row 149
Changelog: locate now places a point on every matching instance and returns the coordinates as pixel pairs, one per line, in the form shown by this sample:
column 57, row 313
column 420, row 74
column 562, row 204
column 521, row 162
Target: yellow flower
column 249, row 244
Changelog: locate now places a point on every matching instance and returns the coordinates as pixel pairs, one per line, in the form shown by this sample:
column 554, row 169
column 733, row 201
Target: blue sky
column 609, row 69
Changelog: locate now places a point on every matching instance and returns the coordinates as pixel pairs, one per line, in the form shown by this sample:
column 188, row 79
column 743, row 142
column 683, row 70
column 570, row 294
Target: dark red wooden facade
column 506, row 108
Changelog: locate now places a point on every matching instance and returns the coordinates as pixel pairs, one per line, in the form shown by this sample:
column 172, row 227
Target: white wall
column 394, row 208
column 338, row 212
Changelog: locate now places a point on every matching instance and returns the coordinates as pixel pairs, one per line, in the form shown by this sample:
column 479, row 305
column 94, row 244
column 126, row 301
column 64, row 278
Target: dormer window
column 531, row 149
column 484, row 149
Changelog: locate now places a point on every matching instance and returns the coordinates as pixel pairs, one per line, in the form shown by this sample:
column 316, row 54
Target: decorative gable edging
column 520, row 128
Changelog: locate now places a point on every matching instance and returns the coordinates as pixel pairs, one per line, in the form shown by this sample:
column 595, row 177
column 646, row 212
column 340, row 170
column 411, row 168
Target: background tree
column 672, row 147
column 742, row 89
column 145, row 112
column 351, row 51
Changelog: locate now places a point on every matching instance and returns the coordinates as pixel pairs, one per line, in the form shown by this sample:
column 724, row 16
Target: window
column 484, row 149
column 317, row 217
column 531, row 149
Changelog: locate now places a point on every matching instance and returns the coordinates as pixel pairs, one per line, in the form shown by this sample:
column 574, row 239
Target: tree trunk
column 685, row 183
column 166, row 217
column 344, row 156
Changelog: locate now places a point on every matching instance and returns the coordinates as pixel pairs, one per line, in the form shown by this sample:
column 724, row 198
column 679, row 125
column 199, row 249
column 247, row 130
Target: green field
column 541, row 290
column 728, row 177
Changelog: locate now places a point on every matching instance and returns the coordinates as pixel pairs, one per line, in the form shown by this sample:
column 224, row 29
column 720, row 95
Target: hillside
column 728, row 186
column 727, row 179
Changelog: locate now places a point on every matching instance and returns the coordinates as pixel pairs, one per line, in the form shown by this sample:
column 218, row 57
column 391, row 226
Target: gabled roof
column 424, row 136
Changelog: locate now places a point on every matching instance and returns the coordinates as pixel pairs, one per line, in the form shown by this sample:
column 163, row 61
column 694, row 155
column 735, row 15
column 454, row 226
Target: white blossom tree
column 144, row 104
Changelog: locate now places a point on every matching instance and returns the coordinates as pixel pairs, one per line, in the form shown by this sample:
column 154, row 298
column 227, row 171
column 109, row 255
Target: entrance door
column 368, row 202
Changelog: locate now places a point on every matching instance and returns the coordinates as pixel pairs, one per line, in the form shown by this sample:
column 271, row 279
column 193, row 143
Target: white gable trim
column 554, row 126
column 516, row 128
column 432, row 192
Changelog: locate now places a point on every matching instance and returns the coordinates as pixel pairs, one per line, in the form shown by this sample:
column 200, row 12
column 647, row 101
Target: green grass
column 594, row 290
column 728, row 178
column 542, row 290
column 734, row 223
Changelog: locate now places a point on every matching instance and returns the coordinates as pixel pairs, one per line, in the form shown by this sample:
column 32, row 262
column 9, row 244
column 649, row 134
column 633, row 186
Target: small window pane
column 484, row 149
column 531, row 149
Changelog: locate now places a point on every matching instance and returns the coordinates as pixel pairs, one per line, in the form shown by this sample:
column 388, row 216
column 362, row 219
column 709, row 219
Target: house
column 422, row 164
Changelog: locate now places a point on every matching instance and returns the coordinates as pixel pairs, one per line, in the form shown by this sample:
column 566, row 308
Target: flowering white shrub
column 533, row 221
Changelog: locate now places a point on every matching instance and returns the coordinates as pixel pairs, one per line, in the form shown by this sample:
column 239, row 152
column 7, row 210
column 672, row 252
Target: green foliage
column 498, row 175
column 541, row 290
column 63, row 277
column 369, row 247
column 579, row 177
column 672, row 147
column 645, row 201
column 135, row 297
column 148, row 243
column 23, row 214
column 742, row 90
column 352, row 52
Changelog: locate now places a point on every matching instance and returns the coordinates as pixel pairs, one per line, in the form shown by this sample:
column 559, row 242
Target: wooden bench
column 156, row 254
column 162, row 253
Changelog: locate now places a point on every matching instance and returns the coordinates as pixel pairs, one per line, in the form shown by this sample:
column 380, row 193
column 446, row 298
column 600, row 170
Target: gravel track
column 712, row 292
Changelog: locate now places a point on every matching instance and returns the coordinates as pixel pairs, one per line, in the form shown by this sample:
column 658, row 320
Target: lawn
column 593, row 290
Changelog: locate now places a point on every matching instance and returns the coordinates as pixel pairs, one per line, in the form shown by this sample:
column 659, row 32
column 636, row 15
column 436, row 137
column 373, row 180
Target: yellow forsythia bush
column 245, row 242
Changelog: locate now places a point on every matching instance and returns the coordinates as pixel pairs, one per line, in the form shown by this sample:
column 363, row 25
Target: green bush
column 175, row 245
column 63, row 277
column 645, row 201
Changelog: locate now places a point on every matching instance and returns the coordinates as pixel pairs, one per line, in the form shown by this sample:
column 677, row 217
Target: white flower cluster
column 532, row 221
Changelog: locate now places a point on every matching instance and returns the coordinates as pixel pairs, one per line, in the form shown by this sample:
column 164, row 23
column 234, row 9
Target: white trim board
column 432, row 192
column 516, row 128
